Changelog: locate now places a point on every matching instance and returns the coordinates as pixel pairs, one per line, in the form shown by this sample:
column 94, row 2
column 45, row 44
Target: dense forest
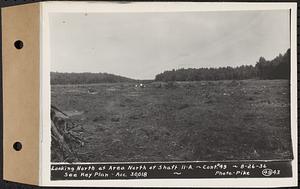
column 278, row 68
column 84, row 78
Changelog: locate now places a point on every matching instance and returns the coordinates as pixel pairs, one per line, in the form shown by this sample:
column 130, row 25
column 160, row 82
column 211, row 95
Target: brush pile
column 65, row 137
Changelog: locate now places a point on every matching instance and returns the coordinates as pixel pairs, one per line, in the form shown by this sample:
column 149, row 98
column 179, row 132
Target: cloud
column 141, row 45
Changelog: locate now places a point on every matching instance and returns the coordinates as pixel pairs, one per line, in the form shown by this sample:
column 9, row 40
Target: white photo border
column 45, row 95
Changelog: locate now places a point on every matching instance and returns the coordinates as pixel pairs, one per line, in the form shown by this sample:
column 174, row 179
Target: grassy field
column 189, row 121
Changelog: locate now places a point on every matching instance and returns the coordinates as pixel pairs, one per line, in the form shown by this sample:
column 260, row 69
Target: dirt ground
column 188, row 121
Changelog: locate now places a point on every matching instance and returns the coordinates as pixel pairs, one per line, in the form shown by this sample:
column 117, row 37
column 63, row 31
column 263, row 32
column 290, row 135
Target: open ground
column 180, row 121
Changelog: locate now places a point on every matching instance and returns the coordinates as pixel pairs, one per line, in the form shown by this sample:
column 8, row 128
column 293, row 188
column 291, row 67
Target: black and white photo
column 171, row 86
column 177, row 93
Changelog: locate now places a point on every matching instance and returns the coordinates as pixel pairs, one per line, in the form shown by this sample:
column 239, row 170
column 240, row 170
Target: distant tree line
column 278, row 68
column 85, row 78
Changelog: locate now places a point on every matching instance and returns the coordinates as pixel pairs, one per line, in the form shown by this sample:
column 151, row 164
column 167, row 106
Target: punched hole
column 19, row 44
column 17, row 146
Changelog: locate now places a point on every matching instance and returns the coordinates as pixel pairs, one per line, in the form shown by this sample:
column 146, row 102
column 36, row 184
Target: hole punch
column 19, row 44
column 17, row 146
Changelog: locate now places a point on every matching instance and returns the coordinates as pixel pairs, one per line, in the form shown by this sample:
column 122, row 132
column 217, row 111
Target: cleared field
column 189, row 121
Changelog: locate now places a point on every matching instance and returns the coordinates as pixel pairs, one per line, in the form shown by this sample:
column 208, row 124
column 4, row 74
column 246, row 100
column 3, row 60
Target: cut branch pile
column 65, row 137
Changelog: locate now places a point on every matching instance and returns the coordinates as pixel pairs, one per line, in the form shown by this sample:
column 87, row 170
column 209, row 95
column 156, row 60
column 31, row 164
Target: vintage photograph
column 170, row 86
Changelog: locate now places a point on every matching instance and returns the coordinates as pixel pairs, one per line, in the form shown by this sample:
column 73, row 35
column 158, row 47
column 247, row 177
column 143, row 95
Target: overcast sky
column 141, row 45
